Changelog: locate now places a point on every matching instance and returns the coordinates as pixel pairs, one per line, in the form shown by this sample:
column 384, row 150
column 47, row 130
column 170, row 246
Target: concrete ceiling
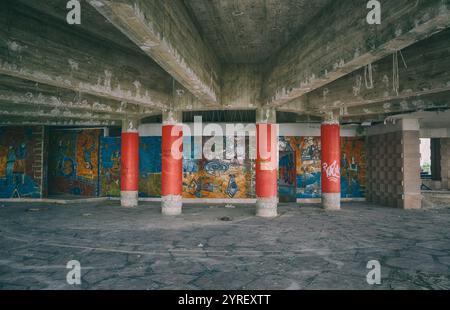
column 250, row 31
column 137, row 58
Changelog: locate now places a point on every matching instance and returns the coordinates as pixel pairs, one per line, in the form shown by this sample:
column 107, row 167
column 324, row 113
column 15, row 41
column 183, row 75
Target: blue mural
column 149, row 155
column 73, row 163
column 17, row 174
column 110, row 166
column 150, row 167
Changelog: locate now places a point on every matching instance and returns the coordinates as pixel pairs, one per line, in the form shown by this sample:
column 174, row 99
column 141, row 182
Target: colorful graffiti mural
column 73, row 162
column 150, row 167
column 110, row 166
column 299, row 166
column 18, row 148
column 308, row 165
column 353, row 167
column 218, row 178
column 287, row 187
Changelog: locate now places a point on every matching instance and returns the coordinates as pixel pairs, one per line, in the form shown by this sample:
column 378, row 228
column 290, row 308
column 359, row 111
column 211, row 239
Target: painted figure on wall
column 217, row 178
column 110, row 166
column 308, row 165
column 73, row 162
column 87, row 154
column 17, row 174
column 353, row 169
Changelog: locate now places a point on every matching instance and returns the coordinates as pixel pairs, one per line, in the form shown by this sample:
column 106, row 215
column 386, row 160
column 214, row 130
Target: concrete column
column 172, row 163
column 393, row 164
column 129, row 174
column 445, row 163
column 266, row 163
column 331, row 165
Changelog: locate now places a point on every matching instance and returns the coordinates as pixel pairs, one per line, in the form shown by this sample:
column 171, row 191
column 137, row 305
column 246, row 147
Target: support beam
column 172, row 164
column 129, row 175
column 266, row 163
column 165, row 32
column 331, row 164
column 423, row 69
column 7, row 109
column 66, row 57
column 348, row 44
column 60, row 121
column 25, row 93
column 437, row 101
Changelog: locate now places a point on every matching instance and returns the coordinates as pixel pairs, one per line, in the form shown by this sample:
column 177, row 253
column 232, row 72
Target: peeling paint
column 73, row 64
column 14, row 46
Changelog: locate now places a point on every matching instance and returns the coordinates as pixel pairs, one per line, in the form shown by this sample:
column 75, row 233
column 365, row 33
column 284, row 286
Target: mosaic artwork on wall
column 353, row 167
column 18, row 149
column 150, row 167
column 110, row 166
column 73, row 162
column 308, row 165
column 219, row 178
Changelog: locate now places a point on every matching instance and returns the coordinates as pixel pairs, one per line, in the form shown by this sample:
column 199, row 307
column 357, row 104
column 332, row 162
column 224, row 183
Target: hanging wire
column 368, row 76
column 395, row 70
column 395, row 74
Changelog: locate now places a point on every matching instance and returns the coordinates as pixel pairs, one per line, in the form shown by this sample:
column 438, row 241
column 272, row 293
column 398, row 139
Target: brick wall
column 393, row 169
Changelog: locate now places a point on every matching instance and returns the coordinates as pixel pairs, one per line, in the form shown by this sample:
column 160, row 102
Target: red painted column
column 266, row 169
column 172, row 169
column 331, row 165
column 129, row 174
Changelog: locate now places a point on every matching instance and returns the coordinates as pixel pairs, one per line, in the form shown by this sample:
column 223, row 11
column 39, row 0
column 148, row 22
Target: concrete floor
column 304, row 248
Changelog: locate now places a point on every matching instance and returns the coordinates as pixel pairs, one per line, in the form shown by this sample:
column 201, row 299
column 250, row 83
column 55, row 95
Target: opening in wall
column 425, row 159
column 436, row 159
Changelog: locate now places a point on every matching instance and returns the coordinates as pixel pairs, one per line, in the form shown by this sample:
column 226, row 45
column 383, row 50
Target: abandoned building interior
column 87, row 110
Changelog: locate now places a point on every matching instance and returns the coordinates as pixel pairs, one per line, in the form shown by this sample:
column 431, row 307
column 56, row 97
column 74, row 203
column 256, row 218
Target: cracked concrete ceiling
column 250, row 31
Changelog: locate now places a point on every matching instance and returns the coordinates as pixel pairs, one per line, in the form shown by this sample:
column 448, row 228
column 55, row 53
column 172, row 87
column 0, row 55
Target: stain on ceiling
column 249, row 31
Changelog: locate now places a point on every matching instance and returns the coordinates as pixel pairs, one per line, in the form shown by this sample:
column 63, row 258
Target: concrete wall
column 393, row 165
column 445, row 163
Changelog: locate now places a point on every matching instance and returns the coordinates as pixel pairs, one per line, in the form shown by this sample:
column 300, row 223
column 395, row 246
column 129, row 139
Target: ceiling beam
column 165, row 32
column 61, row 121
column 340, row 41
column 25, row 93
column 423, row 69
column 439, row 101
column 6, row 109
column 38, row 48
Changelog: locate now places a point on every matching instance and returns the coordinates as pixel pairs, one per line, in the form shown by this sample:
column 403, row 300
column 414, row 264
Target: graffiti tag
column 332, row 171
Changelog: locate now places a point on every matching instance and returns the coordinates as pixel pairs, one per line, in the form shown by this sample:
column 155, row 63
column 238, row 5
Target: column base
column 171, row 204
column 267, row 207
column 129, row 199
column 331, row 201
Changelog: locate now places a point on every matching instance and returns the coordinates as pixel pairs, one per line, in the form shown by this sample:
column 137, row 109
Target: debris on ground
column 226, row 219
column 230, row 207
column 200, row 245
column 36, row 209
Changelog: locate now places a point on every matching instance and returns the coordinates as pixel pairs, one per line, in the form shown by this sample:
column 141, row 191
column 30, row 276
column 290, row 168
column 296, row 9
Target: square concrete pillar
column 393, row 170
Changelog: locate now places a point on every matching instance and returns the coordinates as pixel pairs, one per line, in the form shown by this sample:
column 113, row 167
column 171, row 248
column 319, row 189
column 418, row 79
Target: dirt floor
column 213, row 247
